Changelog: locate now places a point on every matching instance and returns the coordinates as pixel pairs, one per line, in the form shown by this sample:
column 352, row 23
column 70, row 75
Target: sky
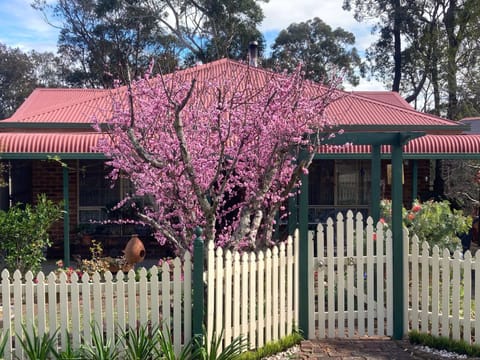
column 24, row 27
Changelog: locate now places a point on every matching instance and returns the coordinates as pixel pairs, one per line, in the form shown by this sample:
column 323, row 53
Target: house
column 49, row 145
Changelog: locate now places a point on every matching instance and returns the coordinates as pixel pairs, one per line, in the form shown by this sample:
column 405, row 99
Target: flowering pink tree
column 218, row 149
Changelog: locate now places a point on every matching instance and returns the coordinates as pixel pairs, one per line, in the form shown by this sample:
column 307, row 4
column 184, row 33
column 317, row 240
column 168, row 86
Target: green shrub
column 24, row 234
column 432, row 221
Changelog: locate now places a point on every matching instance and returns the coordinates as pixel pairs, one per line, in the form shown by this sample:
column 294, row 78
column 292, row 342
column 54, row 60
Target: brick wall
column 48, row 179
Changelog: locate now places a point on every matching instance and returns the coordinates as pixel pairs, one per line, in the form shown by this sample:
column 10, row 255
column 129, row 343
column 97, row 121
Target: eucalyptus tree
column 117, row 39
column 320, row 49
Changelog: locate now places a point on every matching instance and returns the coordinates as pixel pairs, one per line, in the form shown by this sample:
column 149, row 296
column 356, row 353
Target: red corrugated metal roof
column 350, row 109
column 49, row 142
column 428, row 144
column 389, row 97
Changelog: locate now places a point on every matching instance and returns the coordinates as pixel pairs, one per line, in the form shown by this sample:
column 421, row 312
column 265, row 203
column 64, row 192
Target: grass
column 444, row 343
column 273, row 347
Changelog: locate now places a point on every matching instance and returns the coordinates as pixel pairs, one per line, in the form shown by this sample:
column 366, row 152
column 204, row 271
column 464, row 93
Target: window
column 337, row 186
column 95, row 191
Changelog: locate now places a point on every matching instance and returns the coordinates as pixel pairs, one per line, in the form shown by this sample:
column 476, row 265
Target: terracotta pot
column 135, row 250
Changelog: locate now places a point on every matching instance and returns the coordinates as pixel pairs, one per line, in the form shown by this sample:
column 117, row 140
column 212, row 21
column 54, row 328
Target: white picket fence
column 247, row 294
column 443, row 293
column 253, row 294
column 114, row 304
column 256, row 294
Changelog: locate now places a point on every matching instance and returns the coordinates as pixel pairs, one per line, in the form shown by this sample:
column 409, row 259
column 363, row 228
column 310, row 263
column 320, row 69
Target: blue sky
column 23, row 27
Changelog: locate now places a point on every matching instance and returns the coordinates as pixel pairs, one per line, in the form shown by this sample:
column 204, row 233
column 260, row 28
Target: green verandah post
column 397, row 241
column 66, row 218
column 304, row 288
column 198, row 288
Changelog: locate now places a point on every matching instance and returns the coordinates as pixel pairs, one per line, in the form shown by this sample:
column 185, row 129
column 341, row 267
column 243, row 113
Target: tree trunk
column 397, row 43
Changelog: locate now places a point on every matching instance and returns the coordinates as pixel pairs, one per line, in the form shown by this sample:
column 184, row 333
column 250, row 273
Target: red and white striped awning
column 85, row 142
column 49, row 142
column 428, row 144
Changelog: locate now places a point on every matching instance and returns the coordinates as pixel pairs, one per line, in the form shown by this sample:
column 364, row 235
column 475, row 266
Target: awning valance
column 34, row 144
column 425, row 146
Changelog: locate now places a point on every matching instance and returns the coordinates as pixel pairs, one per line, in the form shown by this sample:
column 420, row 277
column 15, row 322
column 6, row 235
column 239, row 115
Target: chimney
column 253, row 53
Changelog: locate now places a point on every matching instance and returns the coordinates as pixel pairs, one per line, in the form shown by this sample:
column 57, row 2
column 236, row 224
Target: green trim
column 47, row 156
column 45, row 125
column 292, row 214
column 406, row 156
column 375, row 183
column 66, row 218
column 397, row 240
column 371, row 138
column 414, row 179
column 403, row 128
column 303, row 255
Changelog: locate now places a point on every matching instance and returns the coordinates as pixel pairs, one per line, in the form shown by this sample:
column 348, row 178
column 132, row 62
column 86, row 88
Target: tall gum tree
column 218, row 149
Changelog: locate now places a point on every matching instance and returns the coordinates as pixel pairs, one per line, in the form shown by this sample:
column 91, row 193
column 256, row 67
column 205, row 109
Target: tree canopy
column 215, row 151
column 424, row 49
column 319, row 49
column 106, row 40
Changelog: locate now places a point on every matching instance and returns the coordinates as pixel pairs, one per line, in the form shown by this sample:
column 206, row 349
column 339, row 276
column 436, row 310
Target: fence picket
column 229, row 299
column 350, row 275
column 244, row 299
column 380, row 278
column 445, row 271
column 415, row 284
column 29, row 314
column 477, row 297
column 143, row 297
column 435, row 290
column 41, row 308
column 75, row 296
column 290, row 286
column 282, row 284
column 187, row 297
column 275, row 293
column 330, row 279
column 389, row 281
column 268, row 296
column 177, row 302
column 219, row 312
column 237, row 295
column 320, row 286
column 166, row 297
column 252, row 301
column 425, row 274
column 370, row 278
column 360, row 274
column 261, row 300
column 341, row 275
column 467, row 296
column 456, row 296
column 64, row 314
column 311, row 297
column 121, row 313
